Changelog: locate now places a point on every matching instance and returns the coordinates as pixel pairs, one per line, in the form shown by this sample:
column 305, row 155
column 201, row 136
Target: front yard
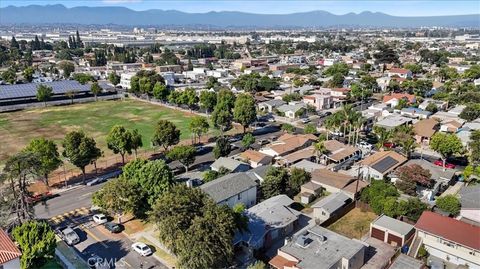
column 354, row 224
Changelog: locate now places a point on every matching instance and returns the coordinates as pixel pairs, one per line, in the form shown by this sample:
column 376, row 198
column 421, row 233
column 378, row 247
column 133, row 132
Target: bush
column 449, row 203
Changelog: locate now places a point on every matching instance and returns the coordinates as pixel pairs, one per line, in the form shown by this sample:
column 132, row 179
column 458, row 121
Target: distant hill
column 53, row 14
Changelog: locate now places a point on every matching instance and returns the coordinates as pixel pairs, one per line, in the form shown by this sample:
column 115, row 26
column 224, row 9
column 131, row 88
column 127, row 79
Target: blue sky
column 398, row 8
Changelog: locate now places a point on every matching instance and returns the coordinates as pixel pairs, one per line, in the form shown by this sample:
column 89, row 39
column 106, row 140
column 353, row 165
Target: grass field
column 95, row 119
column 354, row 224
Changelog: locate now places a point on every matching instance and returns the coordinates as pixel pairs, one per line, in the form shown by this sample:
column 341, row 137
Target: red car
column 447, row 165
column 389, row 145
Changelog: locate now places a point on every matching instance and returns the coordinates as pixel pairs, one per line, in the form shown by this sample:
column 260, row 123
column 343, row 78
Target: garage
column 378, row 234
column 394, row 240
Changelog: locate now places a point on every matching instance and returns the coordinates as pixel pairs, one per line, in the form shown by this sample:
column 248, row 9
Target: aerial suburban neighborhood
column 132, row 136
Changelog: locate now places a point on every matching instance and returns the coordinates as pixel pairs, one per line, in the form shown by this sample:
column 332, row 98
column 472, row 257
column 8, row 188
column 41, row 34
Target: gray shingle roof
column 228, row 163
column 274, row 211
column 227, row 186
column 436, row 171
column 393, row 225
column 332, row 202
column 403, row 261
column 470, row 197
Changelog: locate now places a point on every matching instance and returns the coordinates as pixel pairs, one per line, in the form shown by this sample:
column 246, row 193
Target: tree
column 288, row 128
column 28, row 74
column 198, row 126
column 136, row 141
column 83, row 78
column 118, row 196
column 14, row 43
column 449, row 203
column 208, row 100
column 222, row 147
column 189, row 97
column 412, row 208
column 432, row 107
column 47, row 153
column 95, row 89
column 377, row 193
column 297, row 178
column 166, row 134
column 80, row 150
column 222, row 117
column 119, row 140
column 310, row 129
column 244, row 111
column 160, row 91
column 67, row 67
column 383, row 136
column 114, row 78
column 337, row 68
column 210, row 175
column 446, row 145
column 320, row 149
column 183, row 154
column 44, row 93
column 257, row 265
column 247, row 140
column 9, row 76
column 336, row 81
column 470, row 112
column 36, row 241
column 275, row 182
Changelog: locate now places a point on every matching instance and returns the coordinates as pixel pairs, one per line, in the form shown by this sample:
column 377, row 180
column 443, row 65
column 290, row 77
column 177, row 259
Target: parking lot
column 112, row 250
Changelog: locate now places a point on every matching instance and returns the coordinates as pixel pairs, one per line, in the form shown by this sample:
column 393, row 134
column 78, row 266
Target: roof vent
column 303, row 241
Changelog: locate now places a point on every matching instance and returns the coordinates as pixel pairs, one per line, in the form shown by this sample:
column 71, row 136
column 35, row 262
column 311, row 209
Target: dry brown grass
column 354, row 224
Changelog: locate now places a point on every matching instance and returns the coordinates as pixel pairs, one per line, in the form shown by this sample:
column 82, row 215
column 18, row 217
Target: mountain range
column 59, row 14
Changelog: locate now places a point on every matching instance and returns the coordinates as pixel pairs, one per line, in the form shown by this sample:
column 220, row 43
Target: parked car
column 112, row 227
column 69, row 236
column 142, row 248
column 447, row 165
column 96, row 181
column 305, row 120
column 39, row 197
column 365, row 145
column 389, row 145
column 338, row 134
column 99, row 218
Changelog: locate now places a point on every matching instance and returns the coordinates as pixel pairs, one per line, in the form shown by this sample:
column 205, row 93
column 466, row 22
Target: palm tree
column 358, row 124
column 383, row 136
column 319, row 149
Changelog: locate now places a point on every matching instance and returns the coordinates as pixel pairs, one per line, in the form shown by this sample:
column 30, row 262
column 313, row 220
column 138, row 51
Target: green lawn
column 95, row 119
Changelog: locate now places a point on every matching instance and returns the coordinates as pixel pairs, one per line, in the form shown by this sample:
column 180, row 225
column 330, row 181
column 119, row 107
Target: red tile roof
column 398, row 96
column 8, row 250
column 280, row 262
column 450, row 229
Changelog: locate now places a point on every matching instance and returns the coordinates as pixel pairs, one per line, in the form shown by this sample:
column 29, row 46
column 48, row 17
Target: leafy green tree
column 212, row 82
column 449, row 203
column 47, row 153
column 244, row 111
column 431, row 107
column 377, row 193
column 412, row 208
column 132, row 168
column 83, row 78
column 137, row 141
column 208, row 100
column 166, row 134
column 120, row 141
column 289, row 97
column 37, row 243
column 189, row 98
column 183, row 154
column 275, row 182
column 473, row 72
column 222, row 117
column 67, row 67
column 80, row 150
column 248, row 140
column 470, row 112
column 114, row 78
column 257, row 265
column 95, row 89
column 28, row 74
column 198, row 126
column 222, row 147
column 160, row 91
column 337, row 68
column 226, row 96
column 288, row 128
column 446, row 145
column 210, row 175
column 119, row 196
column 390, row 206
column 44, row 93
column 297, row 178
column 336, row 81
column 9, row 76
column 310, row 129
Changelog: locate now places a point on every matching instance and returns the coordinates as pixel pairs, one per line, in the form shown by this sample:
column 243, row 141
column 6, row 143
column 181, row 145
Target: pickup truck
column 69, row 236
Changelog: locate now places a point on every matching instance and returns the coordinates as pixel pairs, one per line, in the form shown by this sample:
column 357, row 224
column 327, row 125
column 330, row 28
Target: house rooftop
column 333, row 202
column 229, row 163
column 335, row 179
column 436, row 171
column 450, row 229
column 253, row 155
column 307, row 165
column 393, row 121
column 392, row 224
column 275, row 211
column 338, row 151
column 8, row 249
column 384, row 161
column 320, row 248
column 227, row 186
column 470, row 197
column 425, row 128
column 403, row 261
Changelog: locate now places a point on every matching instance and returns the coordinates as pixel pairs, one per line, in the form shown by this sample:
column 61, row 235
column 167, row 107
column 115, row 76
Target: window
column 323, row 213
column 239, row 196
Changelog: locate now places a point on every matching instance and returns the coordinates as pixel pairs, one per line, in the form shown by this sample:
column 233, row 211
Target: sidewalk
column 161, row 253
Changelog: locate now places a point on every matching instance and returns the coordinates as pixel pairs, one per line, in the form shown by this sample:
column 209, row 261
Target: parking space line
column 95, row 237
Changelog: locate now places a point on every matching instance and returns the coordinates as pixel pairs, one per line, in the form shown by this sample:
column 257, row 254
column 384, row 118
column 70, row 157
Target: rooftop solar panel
column 385, row 164
column 29, row 90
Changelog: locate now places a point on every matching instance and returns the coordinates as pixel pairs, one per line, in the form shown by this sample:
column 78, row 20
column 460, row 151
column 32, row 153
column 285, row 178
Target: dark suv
column 112, row 227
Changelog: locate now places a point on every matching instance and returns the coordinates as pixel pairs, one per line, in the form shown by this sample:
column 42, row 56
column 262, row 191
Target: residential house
column 269, row 221
column 334, row 182
column 255, row 158
column 391, row 231
column 293, row 111
column 404, row 261
column 288, row 143
column 125, row 79
column 415, row 113
column 258, row 174
column 270, row 105
column 9, row 253
column 297, row 156
column 424, row 130
column 232, row 189
column 380, row 164
column 231, row 164
column 399, row 72
column 451, row 126
column 319, row 248
column 338, row 152
column 339, row 94
column 394, row 98
column 453, row 241
column 441, row 105
column 470, row 200
column 393, row 121
column 307, row 165
column 331, row 207
column 320, row 99
column 309, row 191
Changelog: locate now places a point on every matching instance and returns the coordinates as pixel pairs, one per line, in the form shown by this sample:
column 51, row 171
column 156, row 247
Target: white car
column 142, row 249
column 306, row 120
column 99, row 218
column 365, row 145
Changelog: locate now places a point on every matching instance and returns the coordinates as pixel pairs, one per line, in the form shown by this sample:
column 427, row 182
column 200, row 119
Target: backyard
column 95, row 119
column 354, row 224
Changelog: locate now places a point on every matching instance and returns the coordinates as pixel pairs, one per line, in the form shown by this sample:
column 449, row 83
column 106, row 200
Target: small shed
column 391, row 231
